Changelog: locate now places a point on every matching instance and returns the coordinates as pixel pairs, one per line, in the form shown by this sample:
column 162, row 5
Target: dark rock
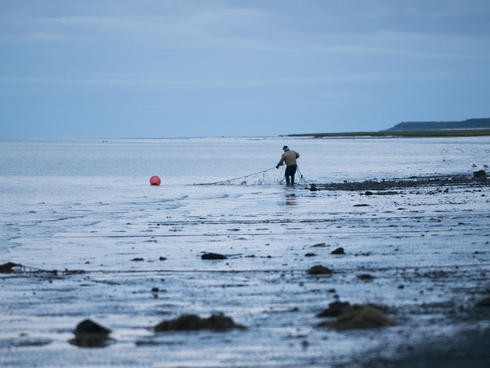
column 192, row 322
column 137, row 259
column 480, row 174
column 320, row 270
column 162, row 259
column 339, row 250
column 319, row 245
column 8, row 267
column 360, row 317
column 88, row 326
column 368, row 193
column 334, row 309
column 484, row 302
column 310, row 255
column 213, row 256
column 313, row 188
column 362, row 205
column 90, row 334
column 365, row 277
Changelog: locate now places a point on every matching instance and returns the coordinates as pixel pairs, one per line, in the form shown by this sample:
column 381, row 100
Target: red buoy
column 155, row 180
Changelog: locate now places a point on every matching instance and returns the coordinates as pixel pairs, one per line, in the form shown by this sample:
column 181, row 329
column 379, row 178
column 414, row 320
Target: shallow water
column 87, row 205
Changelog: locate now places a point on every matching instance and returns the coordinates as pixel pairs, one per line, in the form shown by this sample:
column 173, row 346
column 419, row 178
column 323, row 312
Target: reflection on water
column 290, row 199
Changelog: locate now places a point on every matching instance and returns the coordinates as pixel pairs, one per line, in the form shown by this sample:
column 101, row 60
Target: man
column 289, row 157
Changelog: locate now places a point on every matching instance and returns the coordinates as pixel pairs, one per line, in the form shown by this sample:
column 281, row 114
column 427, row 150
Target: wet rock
column 320, row 270
column 360, row 317
column 192, row 322
column 310, row 255
column 368, row 193
column 313, row 188
column 9, row 267
column 484, row 302
column 90, row 334
column 480, row 174
column 319, row 245
column 334, row 309
column 339, row 250
column 162, row 259
column 213, row 256
column 365, row 277
column 362, row 205
column 137, row 259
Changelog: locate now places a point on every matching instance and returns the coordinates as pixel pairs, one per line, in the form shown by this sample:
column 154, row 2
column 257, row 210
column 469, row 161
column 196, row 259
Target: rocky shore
column 478, row 179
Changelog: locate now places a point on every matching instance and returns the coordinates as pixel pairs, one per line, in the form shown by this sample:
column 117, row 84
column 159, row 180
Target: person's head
column 285, row 148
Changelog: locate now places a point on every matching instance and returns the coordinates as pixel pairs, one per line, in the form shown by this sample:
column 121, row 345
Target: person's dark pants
column 289, row 174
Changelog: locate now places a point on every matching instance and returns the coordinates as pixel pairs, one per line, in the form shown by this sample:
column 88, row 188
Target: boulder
column 480, row 174
column 365, row 277
column 213, row 256
column 90, row 334
column 339, row 250
column 360, row 317
column 320, row 270
column 484, row 302
column 192, row 322
column 334, row 309
column 9, row 267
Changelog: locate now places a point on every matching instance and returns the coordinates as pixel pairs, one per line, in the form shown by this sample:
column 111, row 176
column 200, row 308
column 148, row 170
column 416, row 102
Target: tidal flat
column 137, row 257
column 427, row 252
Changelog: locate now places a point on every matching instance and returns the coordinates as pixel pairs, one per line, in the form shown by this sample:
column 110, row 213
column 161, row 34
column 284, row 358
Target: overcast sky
column 148, row 68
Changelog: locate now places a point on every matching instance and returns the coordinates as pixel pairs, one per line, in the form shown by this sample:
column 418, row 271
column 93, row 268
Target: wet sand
column 418, row 248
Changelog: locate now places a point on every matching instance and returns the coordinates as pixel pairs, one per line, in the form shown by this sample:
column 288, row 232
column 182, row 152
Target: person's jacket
column 289, row 157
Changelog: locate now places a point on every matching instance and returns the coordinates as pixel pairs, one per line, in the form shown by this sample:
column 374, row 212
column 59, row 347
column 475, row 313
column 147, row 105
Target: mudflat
column 415, row 262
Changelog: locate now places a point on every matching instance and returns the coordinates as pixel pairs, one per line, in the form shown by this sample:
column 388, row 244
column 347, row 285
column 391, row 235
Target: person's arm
column 297, row 155
column 280, row 162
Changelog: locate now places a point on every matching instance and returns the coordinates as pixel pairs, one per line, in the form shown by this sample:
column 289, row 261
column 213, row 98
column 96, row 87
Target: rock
column 368, row 193
column 365, row 277
column 8, row 267
column 310, row 255
column 192, row 322
column 137, row 259
column 362, row 205
column 319, row 245
column 90, row 334
column 484, row 302
column 334, row 309
column 313, row 188
column 339, row 250
column 213, row 256
column 320, row 270
column 480, row 174
column 162, row 259
column 360, row 317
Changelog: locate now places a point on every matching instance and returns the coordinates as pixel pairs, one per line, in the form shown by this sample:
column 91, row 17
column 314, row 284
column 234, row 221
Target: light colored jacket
column 289, row 157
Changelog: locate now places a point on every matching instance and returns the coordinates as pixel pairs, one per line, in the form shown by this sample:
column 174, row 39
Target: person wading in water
column 289, row 157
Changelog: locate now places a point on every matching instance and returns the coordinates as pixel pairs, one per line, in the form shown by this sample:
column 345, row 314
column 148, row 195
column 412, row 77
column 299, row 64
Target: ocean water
column 87, row 205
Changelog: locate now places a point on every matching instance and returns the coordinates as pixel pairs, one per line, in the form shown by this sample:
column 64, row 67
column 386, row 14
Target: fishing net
column 265, row 177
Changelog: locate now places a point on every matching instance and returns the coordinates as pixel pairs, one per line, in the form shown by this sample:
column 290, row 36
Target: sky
column 168, row 68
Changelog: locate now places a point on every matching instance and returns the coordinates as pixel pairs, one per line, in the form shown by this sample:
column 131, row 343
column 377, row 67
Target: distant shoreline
column 397, row 134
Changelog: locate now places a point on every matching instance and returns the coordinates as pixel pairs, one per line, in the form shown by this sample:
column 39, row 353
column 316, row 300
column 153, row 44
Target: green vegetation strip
column 407, row 133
